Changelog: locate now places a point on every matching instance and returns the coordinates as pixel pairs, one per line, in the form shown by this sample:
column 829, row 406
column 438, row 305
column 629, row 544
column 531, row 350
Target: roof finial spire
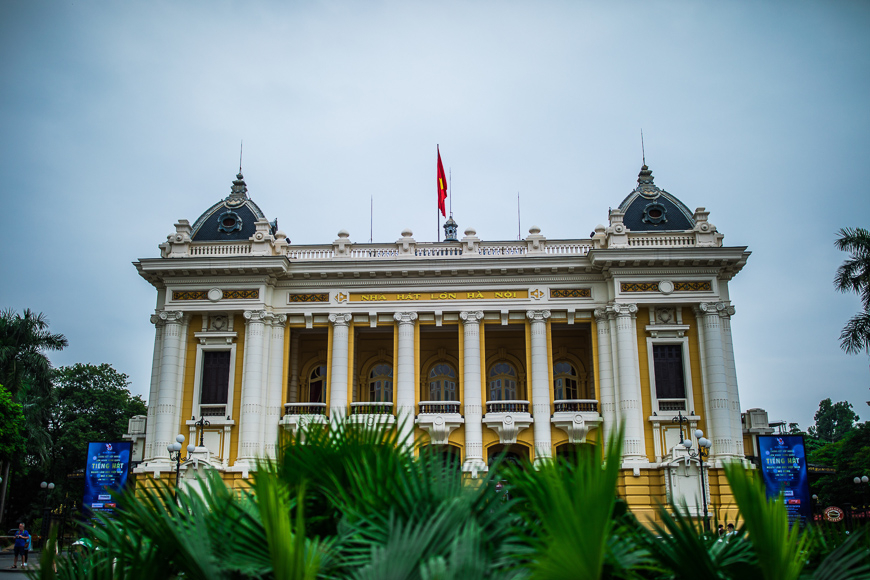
column 642, row 151
column 241, row 147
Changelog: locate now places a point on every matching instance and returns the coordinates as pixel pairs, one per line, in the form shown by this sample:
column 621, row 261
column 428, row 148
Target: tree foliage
column 853, row 275
column 89, row 403
column 11, row 423
column 383, row 513
column 833, row 420
column 24, row 338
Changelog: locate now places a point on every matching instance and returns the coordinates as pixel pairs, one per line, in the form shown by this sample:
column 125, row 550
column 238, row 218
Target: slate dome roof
column 232, row 218
column 648, row 208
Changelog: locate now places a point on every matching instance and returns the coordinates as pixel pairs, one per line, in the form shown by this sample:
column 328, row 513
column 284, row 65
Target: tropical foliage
column 854, row 276
column 352, row 502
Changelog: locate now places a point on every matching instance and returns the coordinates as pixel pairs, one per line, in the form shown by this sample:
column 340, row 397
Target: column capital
column 603, row 314
column 714, row 308
column 538, row 315
column 260, row 316
column 405, row 317
column 340, row 319
column 625, row 309
column 279, row 319
column 170, row 317
column 471, row 317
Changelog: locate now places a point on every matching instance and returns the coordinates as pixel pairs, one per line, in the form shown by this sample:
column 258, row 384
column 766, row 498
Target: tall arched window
column 502, row 382
column 564, row 381
column 381, row 384
column 442, row 383
column 316, row 384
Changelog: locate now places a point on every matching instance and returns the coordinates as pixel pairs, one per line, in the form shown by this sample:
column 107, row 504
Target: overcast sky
column 119, row 118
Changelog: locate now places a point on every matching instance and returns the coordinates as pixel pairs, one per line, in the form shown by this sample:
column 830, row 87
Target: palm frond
column 779, row 548
column 571, row 508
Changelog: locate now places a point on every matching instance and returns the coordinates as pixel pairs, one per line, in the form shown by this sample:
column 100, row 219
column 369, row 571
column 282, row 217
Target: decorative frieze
column 216, row 294
column 666, row 286
column 320, row 297
column 571, row 293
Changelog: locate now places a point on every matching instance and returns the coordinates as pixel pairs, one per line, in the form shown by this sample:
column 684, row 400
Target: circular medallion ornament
column 666, row 286
column 215, row 294
column 833, row 514
column 508, row 420
column 578, row 420
column 439, row 420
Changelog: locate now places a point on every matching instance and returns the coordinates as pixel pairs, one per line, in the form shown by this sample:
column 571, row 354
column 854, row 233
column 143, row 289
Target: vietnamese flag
column 442, row 185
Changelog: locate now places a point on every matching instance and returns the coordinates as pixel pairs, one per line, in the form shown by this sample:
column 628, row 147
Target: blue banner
column 784, row 469
column 107, row 471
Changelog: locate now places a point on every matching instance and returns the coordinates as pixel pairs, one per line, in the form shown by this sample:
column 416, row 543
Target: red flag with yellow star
column 442, row 185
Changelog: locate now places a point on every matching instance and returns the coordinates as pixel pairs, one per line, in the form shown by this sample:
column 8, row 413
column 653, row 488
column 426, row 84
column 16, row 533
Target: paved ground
column 6, row 559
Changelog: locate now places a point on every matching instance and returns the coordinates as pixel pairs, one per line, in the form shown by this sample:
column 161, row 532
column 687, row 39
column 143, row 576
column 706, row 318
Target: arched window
column 381, row 384
column 316, row 384
column 564, row 381
column 502, row 382
column 442, row 383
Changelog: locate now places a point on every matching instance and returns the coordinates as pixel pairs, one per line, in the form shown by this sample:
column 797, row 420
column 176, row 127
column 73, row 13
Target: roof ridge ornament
column 645, row 185
column 238, row 192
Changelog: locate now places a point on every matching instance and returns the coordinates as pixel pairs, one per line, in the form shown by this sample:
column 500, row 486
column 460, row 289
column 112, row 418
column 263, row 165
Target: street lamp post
column 862, row 481
column 45, row 513
column 703, row 452
column 201, row 425
column 176, row 449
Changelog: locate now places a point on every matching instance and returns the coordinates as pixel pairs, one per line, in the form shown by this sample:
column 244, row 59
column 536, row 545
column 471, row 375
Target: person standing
column 22, row 546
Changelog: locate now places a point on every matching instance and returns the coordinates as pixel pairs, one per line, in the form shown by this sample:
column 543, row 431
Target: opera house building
column 533, row 348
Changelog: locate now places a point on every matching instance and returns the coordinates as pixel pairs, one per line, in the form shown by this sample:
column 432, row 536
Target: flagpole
column 518, row 217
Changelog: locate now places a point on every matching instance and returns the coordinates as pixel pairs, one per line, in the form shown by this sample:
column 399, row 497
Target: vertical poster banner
column 784, row 469
column 106, row 472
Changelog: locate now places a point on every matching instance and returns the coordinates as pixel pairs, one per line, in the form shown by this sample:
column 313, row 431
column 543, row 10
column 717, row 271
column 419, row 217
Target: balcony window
column 564, row 381
column 442, row 383
column 668, row 365
column 316, row 384
column 381, row 384
column 215, row 377
column 502, row 382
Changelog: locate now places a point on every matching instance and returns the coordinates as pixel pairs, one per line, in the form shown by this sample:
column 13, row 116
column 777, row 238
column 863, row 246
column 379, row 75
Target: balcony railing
column 212, row 410
column 507, row 406
column 371, row 408
column 440, row 407
column 672, row 404
column 576, row 405
column 305, row 408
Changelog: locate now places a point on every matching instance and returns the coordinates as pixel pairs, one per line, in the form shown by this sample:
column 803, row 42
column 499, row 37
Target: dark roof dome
column 232, row 218
column 649, row 208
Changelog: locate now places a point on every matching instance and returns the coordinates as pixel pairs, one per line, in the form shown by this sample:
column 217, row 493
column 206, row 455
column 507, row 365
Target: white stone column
column 338, row 370
column 540, row 383
column 164, row 414
column 293, row 390
column 731, row 375
column 275, row 390
column 405, row 376
column 153, row 394
column 607, row 393
column 471, row 365
column 630, row 407
column 718, row 416
column 252, row 387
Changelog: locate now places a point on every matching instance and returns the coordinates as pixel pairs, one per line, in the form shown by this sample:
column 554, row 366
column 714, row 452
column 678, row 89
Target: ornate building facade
column 533, row 347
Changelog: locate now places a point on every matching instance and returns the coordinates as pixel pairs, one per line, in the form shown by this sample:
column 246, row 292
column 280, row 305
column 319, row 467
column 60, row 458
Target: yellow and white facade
column 536, row 346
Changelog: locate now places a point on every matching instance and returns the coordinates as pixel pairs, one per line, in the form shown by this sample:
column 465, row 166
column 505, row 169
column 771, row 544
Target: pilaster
column 630, row 408
column 405, row 382
column 252, row 386
column 338, row 370
column 540, row 383
column 471, row 365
